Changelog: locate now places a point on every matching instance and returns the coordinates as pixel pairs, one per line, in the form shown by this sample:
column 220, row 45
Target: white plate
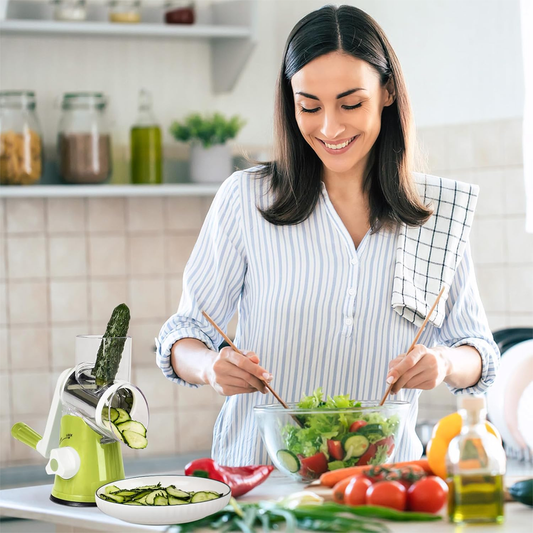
column 165, row 514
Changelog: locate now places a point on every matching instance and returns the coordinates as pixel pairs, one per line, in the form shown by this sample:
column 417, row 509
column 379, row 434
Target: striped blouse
column 316, row 309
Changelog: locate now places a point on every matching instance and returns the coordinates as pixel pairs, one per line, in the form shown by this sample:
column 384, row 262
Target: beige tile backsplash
column 145, row 214
column 67, row 255
column 28, row 302
column 3, row 303
column 106, row 214
column 105, row 295
column 147, row 297
column 4, row 359
column 3, row 254
column 66, row 215
column 30, row 393
column 183, row 213
column 29, row 348
column 146, row 254
column 107, row 254
column 25, row 215
column 66, row 262
column 26, row 257
column 68, row 301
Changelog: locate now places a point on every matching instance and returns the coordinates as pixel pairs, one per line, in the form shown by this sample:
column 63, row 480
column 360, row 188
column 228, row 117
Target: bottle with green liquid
column 146, row 158
column 476, row 465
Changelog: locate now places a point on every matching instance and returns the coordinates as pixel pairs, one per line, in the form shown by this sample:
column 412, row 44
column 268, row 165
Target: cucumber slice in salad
column 355, row 445
column 289, row 461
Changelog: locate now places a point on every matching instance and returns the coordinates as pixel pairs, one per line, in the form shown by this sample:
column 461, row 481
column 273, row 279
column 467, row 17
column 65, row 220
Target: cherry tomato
column 355, row 493
column 339, row 489
column 358, row 424
column 387, row 494
column 427, row 495
column 335, row 449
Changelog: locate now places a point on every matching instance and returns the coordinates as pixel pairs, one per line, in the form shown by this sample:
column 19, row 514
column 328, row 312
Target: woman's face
column 338, row 102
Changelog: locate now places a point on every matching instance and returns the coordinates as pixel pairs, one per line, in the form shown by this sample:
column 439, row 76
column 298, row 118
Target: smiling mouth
column 339, row 146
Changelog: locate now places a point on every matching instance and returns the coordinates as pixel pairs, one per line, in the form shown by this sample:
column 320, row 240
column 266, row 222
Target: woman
column 333, row 253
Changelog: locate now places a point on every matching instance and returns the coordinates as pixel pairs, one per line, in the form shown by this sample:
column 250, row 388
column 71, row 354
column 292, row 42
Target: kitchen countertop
column 33, row 503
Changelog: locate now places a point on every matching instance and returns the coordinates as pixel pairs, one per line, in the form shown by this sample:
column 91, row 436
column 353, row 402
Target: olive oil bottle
column 146, row 158
column 476, row 465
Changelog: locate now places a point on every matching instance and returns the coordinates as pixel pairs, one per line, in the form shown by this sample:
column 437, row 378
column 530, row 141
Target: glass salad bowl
column 304, row 443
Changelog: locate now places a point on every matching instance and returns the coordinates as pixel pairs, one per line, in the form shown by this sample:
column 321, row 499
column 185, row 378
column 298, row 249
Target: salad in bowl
column 317, row 434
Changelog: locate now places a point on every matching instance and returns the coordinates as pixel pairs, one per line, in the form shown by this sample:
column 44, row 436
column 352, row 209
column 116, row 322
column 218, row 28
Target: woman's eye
column 348, row 107
column 352, row 106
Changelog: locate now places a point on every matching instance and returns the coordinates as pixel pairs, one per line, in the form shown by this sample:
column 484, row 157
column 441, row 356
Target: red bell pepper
column 241, row 479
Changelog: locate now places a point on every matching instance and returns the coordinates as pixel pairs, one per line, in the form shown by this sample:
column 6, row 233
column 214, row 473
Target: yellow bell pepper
column 444, row 431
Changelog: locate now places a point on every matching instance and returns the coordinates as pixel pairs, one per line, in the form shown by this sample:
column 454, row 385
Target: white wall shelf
column 52, row 27
column 230, row 27
column 84, row 191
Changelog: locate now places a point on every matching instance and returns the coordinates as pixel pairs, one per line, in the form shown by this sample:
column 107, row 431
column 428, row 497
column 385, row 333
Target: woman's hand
column 232, row 373
column 421, row 368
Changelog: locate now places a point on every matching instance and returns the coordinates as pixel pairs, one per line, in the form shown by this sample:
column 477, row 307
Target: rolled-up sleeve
column 466, row 324
column 212, row 281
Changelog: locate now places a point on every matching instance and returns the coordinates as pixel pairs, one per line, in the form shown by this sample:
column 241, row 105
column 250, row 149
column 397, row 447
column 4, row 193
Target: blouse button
column 348, row 321
column 351, row 291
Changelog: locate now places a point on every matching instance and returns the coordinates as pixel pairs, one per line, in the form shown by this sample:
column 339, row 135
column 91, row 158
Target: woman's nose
column 331, row 127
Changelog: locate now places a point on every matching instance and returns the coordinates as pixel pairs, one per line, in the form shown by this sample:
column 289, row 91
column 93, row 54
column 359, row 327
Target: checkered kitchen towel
column 428, row 255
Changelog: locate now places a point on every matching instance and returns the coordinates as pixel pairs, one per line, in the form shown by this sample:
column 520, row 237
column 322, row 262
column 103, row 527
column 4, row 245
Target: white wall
column 461, row 58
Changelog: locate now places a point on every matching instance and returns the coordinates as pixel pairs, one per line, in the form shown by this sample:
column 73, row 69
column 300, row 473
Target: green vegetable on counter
column 112, row 345
column 267, row 516
column 156, row 495
column 522, row 491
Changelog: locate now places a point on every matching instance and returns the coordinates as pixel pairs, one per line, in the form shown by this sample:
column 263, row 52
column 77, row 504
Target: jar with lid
column 179, row 12
column 84, row 141
column 125, row 11
column 70, row 10
column 21, row 146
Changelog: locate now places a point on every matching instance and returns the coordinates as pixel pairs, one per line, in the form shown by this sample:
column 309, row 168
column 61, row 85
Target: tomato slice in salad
column 315, row 465
column 357, row 425
column 388, row 442
column 369, row 454
column 335, row 449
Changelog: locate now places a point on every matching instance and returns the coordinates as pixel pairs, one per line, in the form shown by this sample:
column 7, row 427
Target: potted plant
column 210, row 155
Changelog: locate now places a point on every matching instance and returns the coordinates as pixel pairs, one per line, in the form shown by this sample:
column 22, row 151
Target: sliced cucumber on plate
column 155, row 495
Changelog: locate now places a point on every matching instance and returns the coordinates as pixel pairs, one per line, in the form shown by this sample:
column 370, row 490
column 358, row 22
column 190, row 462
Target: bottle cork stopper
column 472, row 403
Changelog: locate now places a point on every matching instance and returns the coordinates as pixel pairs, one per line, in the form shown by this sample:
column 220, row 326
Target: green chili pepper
column 377, row 511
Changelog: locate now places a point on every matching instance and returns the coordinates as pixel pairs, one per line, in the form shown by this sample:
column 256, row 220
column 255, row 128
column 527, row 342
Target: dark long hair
column 295, row 174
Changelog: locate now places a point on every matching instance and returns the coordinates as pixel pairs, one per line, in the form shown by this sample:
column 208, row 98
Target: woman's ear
column 390, row 93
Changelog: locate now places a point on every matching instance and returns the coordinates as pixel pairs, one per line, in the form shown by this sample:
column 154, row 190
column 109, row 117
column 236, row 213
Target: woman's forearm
column 191, row 360
column 464, row 366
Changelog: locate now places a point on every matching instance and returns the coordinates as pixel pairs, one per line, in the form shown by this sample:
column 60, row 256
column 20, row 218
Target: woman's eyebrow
column 342, row 95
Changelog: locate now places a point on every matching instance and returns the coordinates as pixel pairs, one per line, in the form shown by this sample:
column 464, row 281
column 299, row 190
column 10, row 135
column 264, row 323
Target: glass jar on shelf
column 21, row 146
column 179, row 12
column 84, row 141
column 125, row 11
column 70, row 10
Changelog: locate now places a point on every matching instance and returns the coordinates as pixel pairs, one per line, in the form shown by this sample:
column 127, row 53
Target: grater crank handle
column 53, row 423
column 25, row 434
